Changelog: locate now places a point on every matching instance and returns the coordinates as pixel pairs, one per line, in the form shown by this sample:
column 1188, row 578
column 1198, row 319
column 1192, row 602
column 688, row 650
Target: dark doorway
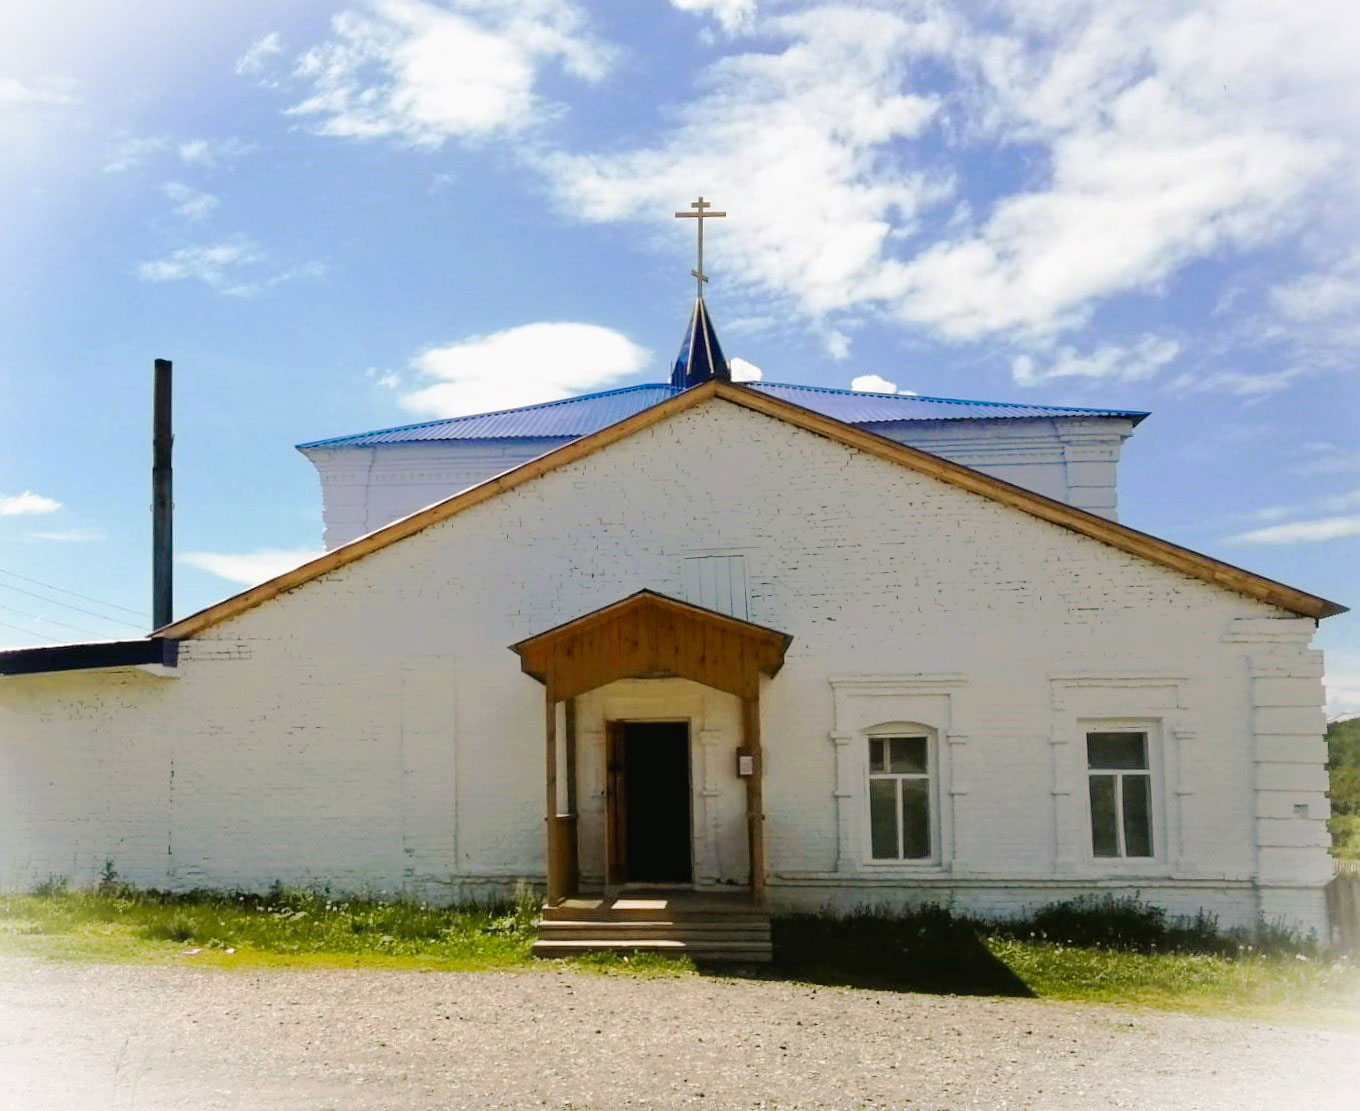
column 652, row 780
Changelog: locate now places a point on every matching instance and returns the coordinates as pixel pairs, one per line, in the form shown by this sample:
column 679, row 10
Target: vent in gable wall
column 718, row 582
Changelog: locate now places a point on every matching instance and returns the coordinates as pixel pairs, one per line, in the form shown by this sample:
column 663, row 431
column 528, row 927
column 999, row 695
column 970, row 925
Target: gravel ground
column 96, row 1036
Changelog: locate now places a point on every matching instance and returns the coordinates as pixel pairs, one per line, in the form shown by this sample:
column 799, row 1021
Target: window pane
column 883, row 818
column 1104, row 836
column 876, row 746
column 908, row 754
column 915, row 818
column 1116, row 750
column 1137, row 815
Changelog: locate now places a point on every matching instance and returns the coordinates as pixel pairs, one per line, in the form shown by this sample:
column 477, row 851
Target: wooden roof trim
column 742, row 627
column 1089, row 524
column 433, row 514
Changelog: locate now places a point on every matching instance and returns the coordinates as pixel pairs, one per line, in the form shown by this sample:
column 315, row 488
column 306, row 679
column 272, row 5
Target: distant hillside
column 1343, row 754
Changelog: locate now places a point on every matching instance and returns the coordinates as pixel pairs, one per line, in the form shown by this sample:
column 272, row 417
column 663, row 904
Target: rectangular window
column 1121, row 794
column 899, row 798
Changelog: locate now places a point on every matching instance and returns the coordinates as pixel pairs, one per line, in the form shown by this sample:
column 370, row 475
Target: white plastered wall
column 370, row 730
column 717, row 795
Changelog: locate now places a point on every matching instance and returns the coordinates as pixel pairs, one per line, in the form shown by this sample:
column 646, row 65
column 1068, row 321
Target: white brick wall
column 370, row 730
column 1073, row 459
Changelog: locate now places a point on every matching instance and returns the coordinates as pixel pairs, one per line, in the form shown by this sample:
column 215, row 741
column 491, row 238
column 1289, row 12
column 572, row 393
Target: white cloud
column 1301, row 532
column 1329, row 503
column 797, row 146
column 1172, row 132
column 219, row 266
column 1321, row 295
column 260, row 56
column 1141, row 359
column 732, row 15
column 521, row 366
column 207, row 263
column 127, row 152
column 15, row 93
column 836, row 344
column 211, row 153
column 1254, row 387
column 1321, row 311
column 253, row 287
column 383, row 379
column 875, row 383
column 1320, row 458
column 742, row 371
column 249, row 568
column 190, row 203
column 14, row 505
column 1154, row 134
column 68, row 536
column 1343, row 682
column 422, row 73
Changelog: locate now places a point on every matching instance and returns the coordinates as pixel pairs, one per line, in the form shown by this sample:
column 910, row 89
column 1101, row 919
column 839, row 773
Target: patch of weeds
column 179, row 928
column 639, row 963
column 926, row 949
column 1108, row 950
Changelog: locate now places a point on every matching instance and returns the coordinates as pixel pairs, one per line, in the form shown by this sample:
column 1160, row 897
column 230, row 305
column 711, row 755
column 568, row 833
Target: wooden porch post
column 554, row 894
column 571, row 846
column 755, row 796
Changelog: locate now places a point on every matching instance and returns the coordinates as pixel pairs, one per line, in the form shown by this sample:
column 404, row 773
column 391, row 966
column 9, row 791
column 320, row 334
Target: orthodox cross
column 700, row 214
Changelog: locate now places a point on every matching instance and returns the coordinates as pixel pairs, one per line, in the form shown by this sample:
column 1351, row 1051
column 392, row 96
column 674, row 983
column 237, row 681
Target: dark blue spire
column 701, row 355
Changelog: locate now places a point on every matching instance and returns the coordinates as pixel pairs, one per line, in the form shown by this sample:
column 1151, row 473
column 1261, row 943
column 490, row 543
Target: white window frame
column 933, row 704
column 884, row 731
column 1151, row 729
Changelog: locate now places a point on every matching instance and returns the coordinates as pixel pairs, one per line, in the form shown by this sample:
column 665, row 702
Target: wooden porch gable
column 650, row 636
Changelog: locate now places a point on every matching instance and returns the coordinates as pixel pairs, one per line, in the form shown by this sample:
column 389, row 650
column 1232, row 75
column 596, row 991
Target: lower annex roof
column 573, row 417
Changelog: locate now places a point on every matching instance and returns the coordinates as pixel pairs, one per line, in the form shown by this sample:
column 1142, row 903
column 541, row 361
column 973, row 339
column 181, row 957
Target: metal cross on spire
column 700, row 214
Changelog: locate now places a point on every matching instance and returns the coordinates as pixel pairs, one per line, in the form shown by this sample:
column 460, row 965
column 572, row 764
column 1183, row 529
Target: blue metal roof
column 574, row 417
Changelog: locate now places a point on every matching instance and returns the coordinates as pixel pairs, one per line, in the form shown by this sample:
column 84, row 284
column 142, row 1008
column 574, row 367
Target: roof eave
column 150, row 651
column 1189, row 562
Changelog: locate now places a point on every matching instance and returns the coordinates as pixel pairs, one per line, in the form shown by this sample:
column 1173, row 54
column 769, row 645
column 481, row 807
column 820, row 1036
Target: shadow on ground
column 936, row 954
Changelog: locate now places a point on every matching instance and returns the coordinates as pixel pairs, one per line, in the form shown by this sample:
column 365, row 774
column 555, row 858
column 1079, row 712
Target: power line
column 53, row 621
column 78, row 609
column 28, row 632
column 73, row 594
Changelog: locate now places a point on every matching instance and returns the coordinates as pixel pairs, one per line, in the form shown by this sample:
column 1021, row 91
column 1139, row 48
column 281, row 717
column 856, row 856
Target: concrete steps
column 706, row 927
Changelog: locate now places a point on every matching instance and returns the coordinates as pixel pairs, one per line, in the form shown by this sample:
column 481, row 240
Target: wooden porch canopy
column 648, row 636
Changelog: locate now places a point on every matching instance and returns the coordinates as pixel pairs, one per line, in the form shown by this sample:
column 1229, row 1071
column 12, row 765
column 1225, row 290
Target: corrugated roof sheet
column 859, row 407
column 573, row 417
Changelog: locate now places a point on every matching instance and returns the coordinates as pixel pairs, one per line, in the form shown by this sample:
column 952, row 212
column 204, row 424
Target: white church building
column 807, row 646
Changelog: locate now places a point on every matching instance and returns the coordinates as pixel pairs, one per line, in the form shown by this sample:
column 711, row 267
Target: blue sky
column 342, row 216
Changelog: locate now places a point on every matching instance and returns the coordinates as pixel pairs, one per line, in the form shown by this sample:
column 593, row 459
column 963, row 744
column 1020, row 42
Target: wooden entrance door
column 649, row 802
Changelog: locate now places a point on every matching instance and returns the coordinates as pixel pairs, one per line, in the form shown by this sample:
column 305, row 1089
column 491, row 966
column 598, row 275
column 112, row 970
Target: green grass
column 1118, row 952
column 1095, row 951
column 1296, row 988
column 285, row 927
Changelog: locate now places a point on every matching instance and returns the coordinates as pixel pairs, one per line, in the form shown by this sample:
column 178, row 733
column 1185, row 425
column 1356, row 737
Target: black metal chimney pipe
column 162, row 503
